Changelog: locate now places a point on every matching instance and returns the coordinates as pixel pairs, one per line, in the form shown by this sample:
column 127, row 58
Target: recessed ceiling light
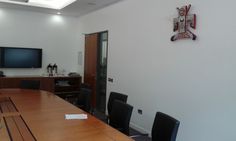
column 58, row 13
column 20, row 0
column 53, row 4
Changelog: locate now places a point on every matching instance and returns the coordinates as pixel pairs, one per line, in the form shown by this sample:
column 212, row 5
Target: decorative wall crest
column 183, row 22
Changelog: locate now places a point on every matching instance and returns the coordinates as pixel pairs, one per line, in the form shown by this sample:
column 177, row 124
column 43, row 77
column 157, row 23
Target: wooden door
column 90, row 63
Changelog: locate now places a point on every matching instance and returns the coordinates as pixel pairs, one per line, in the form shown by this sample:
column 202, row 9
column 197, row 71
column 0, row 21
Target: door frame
column 98, row 52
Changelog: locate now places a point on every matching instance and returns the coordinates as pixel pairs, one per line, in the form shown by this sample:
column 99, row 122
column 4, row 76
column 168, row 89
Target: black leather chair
column 164, row 128
column 30, row 84
column 84, row 99
column 120, row 116
column 85, row 85
column 73, row 96
column 115, row 96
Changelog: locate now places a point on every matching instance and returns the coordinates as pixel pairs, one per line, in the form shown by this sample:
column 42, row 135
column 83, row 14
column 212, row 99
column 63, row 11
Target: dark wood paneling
column 90, row 64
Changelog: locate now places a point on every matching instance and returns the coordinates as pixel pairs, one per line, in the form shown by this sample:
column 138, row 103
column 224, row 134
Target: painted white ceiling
column 78, row 8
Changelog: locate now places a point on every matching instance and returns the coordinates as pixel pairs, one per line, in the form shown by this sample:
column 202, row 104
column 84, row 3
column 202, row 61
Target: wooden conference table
column 34, row 115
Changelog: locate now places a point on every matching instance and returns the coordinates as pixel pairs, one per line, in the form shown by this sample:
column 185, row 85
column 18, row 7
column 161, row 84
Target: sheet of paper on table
column 76, row 116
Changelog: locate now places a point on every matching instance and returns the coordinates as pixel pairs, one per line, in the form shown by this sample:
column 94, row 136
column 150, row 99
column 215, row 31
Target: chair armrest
column 107, row 119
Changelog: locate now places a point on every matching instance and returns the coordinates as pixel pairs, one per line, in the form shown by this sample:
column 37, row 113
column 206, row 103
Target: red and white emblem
column 182, row 22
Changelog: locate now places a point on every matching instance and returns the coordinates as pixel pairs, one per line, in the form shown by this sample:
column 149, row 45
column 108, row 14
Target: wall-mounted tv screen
column 12, row 57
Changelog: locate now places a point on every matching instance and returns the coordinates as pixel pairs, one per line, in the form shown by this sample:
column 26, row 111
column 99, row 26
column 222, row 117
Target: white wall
column 194, row 81
column 56, row 35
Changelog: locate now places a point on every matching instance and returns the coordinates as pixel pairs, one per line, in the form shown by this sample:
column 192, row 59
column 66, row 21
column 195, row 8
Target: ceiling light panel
column 53, row 4
column 20, row 0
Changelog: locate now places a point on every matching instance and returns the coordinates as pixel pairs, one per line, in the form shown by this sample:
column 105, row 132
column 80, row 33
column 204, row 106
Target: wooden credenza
column 55, row 85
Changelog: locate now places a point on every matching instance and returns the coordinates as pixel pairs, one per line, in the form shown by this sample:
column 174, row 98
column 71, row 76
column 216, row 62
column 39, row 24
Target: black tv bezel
column 2, row 54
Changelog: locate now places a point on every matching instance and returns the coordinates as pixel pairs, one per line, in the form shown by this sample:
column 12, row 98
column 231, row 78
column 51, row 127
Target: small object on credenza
column 49, row 70
column 2, row 74
column 54, row 69
column 73, row 74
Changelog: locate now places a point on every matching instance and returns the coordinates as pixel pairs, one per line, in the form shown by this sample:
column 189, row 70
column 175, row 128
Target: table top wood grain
column 44, row 115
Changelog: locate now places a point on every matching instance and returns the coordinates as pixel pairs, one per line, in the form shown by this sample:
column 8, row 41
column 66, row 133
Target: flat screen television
column 12, row 57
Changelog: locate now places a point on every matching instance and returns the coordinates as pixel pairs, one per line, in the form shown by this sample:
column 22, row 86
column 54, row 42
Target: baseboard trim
column 139, row 128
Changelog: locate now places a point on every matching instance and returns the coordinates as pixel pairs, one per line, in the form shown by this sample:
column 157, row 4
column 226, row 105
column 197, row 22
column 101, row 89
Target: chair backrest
column 84, row 99
column 115, row 96
column 85, row 85
column 164, row 128
column 120, row 116
column 30, row 84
